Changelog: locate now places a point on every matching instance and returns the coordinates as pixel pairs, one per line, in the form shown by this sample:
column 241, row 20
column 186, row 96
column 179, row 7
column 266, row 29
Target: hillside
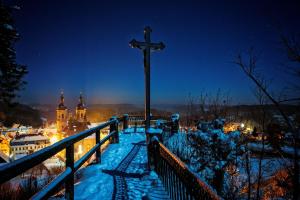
column 21, row 114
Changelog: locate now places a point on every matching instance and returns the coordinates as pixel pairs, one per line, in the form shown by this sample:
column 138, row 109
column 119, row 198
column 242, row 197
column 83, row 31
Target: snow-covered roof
column 15, row 126
column 29, row 137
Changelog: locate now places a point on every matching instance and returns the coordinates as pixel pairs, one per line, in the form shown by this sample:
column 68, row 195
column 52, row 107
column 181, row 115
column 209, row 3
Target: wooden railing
column 18, row 167
column 179, row 181
column 139, row 120
column 177, row 178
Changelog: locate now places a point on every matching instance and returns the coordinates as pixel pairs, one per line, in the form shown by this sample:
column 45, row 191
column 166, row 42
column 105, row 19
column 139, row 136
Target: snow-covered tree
column 213, row 152
column 11, row 73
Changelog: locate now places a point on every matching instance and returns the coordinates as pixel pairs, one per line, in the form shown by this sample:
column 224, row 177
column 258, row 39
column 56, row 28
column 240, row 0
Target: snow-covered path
column 122, row 174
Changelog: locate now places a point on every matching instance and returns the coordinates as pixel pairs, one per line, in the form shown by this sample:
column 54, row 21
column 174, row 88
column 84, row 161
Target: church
column 68, row 124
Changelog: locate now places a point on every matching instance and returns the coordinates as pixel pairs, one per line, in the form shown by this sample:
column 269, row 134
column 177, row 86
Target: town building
column 26, row 144
column 4, row 144
column 61, row 114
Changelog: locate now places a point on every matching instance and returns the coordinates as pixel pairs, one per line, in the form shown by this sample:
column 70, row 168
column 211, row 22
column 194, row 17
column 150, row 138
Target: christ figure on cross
column 146, row 47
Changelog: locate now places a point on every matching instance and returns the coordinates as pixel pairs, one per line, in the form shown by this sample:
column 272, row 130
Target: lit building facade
column 67, row 123
column 61, row 114
column 81, row 110
column 26, row 144
column 4, row 145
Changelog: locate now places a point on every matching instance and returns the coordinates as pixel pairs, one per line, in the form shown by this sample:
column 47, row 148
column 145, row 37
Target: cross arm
column 135, row 44
column 142, row 45
column 157, row 46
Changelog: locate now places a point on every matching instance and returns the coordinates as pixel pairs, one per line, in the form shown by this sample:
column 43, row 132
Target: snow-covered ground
column 180, row 145
column 286, row 149
column 123, row 171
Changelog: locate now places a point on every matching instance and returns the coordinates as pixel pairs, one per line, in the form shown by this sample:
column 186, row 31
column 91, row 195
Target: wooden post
column 174, row 123
column 135, row 127
column 69, row 193
column 125, row 121
column 117, row 132
column 111, row 129
column 114, row 127
column 98, row 151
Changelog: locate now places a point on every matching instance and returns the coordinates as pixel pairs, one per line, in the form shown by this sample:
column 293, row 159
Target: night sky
column 82, row 46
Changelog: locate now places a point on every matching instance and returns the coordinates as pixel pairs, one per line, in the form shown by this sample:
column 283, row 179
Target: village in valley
column 190, row 126
column 235, row 128
column 21, row 140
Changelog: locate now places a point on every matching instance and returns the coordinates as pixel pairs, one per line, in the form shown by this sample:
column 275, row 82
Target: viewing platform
column 134, row 164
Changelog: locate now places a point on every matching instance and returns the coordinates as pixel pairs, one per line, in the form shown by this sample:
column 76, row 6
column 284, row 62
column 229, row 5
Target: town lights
column 53, row 139
column 80, row 149
column 242, row 125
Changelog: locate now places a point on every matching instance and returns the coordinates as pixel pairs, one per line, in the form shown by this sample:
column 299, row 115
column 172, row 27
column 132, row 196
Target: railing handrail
column 19, row 166
column 141, row 117
column 183, row 172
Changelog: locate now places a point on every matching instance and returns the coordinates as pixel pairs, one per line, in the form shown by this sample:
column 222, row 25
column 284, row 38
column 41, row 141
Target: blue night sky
column 83, row 46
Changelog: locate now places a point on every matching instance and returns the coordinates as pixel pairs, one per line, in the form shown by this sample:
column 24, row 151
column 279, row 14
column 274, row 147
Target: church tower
column 81, row 110
column 61, row 114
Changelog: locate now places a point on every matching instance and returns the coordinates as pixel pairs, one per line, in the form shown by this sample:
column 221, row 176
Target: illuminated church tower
column 61, row 114
column 81, row 110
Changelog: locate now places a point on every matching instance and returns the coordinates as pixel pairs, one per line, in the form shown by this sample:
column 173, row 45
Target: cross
column 146, row 47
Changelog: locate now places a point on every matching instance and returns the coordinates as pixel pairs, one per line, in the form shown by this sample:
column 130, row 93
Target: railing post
column 125, row 121
column 70, row 181
column 98, row 151
column 135, row 127
column 117, row 132
column 114, row 127
column 174, row 123
column 155, row 154
column 153, row 151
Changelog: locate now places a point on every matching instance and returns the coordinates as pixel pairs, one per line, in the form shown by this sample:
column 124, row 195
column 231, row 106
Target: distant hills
column 20, row 114
column 31, row 115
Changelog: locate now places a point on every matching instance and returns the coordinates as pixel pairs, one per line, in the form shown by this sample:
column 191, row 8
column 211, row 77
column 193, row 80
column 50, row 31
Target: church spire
column 62, row 98
column 80, row 105
column 81, row 98
column 61, row 104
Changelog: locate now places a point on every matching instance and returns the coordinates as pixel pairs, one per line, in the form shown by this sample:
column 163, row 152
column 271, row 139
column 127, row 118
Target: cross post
column 146, row 47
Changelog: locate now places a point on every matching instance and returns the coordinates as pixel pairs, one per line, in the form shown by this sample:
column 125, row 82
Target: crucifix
column 146, row 47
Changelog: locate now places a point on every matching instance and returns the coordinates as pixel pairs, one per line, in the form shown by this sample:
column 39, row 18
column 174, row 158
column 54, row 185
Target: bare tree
column 218, row 104
column 250, row 69
column 190, row 109
column 260, row 96
column 203, row 105
column 248, row 171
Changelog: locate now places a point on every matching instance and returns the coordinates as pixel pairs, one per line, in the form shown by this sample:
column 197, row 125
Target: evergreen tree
column 11, row 73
